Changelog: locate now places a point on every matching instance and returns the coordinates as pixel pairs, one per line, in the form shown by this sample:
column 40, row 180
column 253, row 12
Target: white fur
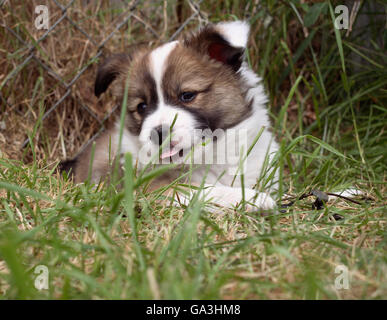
column 235, row 32
column 164, row 116
column 229, row 197
column 158, row 58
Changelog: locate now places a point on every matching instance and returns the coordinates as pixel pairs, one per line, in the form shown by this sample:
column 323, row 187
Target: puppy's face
column 180, row 88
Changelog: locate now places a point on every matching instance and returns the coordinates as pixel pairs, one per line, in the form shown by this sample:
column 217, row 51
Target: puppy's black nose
column 159, row 134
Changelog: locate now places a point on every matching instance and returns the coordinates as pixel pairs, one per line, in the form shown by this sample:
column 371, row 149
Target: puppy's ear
column 109, row 70
column 224, row 42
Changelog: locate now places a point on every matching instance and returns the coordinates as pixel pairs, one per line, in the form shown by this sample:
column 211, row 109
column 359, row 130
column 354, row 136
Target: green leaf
column 313, row 13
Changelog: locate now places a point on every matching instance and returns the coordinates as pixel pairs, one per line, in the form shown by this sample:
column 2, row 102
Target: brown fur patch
column 220, row 102
column 208, row 41
column 105, row 152
column 141, row 89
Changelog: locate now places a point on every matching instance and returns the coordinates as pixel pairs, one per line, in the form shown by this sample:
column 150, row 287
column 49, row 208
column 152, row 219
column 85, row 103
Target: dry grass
column 66, row 51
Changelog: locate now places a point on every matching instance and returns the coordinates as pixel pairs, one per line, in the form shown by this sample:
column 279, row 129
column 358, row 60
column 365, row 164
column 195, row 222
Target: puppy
column 191, row 102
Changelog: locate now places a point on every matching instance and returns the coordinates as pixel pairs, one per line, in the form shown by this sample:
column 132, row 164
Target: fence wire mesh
column 47, row 106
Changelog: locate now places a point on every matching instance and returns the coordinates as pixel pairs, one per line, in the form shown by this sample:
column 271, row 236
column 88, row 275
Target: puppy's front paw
column 261, row 201
column 230, row 197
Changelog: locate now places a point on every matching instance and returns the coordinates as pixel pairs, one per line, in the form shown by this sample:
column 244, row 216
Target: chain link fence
column 48, row 57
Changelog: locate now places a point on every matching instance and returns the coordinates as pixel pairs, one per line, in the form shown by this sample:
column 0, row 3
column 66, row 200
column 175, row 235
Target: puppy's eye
column 187, row 96
column 141, row 107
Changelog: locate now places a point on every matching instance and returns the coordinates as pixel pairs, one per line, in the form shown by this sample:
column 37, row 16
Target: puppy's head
column 181, row 86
